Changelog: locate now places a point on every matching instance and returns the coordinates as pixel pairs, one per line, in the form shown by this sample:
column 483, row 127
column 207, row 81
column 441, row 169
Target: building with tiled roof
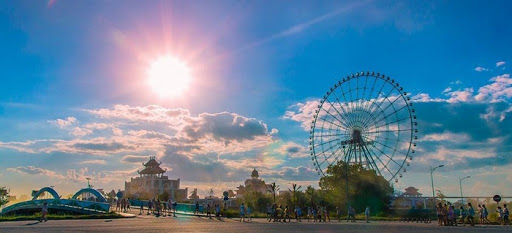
column 152, row 182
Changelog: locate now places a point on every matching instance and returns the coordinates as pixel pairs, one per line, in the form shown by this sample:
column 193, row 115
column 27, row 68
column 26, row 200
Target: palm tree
column 295, row 189
column 273, row 189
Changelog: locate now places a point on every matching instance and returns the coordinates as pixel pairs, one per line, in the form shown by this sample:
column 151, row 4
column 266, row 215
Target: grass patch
column 110, row 215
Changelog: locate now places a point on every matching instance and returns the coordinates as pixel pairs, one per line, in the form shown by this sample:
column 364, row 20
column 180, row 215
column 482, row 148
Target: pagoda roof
column 411, row 191
column 151, row 163
column 152, row 170
column 152, row 167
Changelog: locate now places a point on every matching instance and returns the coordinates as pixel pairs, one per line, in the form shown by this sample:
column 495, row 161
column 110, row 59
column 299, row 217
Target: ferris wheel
column 366, row 118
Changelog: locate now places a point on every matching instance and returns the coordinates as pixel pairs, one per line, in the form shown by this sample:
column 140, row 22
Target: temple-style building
column 410, row 199
column 152, row 182
column 253, row 184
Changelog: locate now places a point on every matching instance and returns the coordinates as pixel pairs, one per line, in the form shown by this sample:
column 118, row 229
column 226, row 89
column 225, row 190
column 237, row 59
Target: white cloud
column 424, row 97
column 303, row 112
column 448, row 89
column 31, row 170
column 500, row 63
column 499, row 90
column 134, row 158
column 480, row 69
column 464, row 95
column 63, row 123
column 80, row 132
column 95, row 161
column 446, row 137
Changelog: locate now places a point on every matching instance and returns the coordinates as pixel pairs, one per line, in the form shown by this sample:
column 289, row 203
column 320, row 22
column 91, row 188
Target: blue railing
column 68, row 204
column 180, row 207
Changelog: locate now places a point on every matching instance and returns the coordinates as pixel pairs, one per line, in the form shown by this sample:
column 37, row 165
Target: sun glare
column 168, row 76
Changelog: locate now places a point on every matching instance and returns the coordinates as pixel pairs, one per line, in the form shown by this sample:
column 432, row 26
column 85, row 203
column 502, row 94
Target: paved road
column 194, row 224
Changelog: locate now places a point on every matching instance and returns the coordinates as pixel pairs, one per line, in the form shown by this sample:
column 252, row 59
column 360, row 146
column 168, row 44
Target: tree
column 4, row 195
column 366, row 188
column 258, row 201
column 311, row 196
column 294, row 193
column 273, row 190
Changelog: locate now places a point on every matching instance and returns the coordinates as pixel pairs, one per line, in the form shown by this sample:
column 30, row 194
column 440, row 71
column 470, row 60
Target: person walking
column 463, row 215
column 298, row 213
column 320, row 212
column 217, row 211
column 309, row 213
column 269, row 212
column 174, row 206
column 351, row 214
column 338, row 214
column 275, row 212
column 158, row 208
column 150, row 206
column 367, row 214
column 44, row 212
column 208, row 211
column 480, row 214
column 128, row 205
column 283, row 213
column 287, row 214
column 249, row 212
column 141, row 209
column 506, row 214
column 242, row 212
column 118, row 205
column 326, row 214
column 452, row 218
column 196, row 210
column 485, row 215
column 169, row 207
column 439, row 212
column 500, row 215
column 471, row 214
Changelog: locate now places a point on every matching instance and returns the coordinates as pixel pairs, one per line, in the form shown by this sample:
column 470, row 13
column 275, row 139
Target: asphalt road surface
column 195, row 224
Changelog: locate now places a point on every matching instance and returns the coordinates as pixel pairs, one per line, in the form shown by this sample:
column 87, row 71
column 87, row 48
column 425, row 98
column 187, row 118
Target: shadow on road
column 34, row 223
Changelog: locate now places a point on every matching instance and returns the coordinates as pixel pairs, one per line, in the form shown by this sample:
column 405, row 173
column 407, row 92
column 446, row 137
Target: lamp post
column 460, row 185
column 432, row 179
column 88, row 179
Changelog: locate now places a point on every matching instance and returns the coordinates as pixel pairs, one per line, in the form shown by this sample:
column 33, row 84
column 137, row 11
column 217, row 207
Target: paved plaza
column 194, row 224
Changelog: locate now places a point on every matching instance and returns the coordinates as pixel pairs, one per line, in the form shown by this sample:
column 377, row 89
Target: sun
column 168, row 76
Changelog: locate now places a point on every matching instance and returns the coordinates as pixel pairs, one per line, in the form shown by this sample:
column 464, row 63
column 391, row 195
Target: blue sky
column 75, row 103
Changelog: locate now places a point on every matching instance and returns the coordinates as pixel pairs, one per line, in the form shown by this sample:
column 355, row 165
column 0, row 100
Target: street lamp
column 88, row 179
column 460, row 185
column 432, row 179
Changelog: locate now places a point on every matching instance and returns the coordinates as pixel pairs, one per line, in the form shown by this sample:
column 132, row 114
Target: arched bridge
column 97, row 204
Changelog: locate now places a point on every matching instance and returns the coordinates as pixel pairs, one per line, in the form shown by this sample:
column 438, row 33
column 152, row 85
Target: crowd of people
column 159, row 208
column 279, row 213
column 275, row 213
column 447, row 215
column 123, row 205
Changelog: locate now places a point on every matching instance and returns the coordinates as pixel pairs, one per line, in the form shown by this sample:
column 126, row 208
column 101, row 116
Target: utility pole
column 432, row 179
column 460, row 185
